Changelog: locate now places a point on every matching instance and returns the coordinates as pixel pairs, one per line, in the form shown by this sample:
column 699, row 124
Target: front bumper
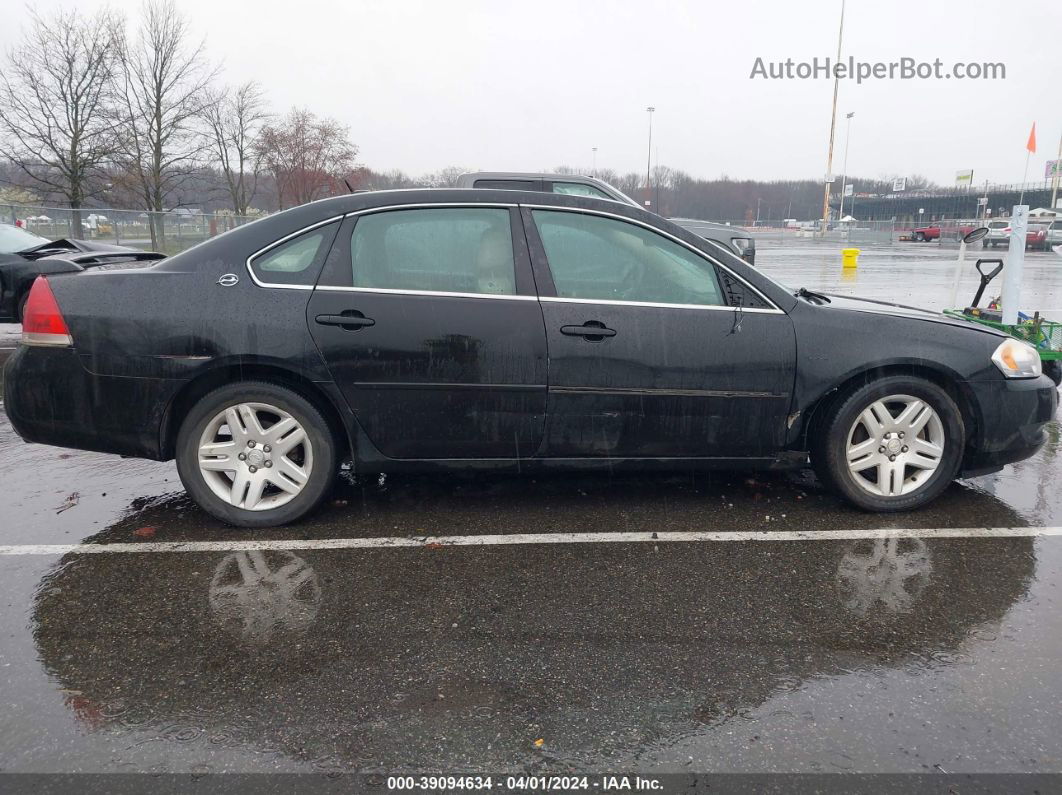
column 51, row 398
column 1012, row 425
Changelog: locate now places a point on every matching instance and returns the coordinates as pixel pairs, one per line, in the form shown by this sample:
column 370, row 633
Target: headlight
column 741, row 244
column 1016, row 359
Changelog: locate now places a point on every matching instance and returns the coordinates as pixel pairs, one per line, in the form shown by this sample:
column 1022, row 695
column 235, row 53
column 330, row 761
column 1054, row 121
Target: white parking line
column 531, row 538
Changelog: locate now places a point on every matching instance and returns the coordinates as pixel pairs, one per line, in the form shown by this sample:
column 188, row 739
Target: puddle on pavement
column 616, row 655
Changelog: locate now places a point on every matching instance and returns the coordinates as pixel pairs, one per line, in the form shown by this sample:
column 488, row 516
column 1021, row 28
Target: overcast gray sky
column 499, row 84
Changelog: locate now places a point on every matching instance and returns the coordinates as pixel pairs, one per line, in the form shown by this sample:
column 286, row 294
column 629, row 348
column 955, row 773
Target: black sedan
column 25, row 256
column 442, row 329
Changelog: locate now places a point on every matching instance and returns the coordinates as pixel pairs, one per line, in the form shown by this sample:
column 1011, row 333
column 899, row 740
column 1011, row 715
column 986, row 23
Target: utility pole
column 833, row 128
column 594, row 172
column 844, row 175
column 1058, row 172
column 649, row 156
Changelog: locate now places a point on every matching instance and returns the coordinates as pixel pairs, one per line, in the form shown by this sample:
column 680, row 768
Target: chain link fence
column 168, row 232
column 789, row 232
column 174, row 231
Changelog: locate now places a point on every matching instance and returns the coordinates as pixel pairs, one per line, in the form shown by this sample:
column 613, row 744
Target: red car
column 950, row 229
column 924, row 233
column 1035, row 236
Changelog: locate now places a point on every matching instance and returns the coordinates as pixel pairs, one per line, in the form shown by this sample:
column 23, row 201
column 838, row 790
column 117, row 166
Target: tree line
column 93, row 109
column 96, row 110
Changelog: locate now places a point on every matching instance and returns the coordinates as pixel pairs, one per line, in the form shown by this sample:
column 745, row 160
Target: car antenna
column 349, row 186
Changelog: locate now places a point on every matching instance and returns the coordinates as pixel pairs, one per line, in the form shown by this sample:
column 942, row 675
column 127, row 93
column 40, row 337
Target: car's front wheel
column 256, row 454
column 890, row 445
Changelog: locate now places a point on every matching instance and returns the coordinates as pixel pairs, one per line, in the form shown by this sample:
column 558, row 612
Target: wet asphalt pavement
column 861, row 655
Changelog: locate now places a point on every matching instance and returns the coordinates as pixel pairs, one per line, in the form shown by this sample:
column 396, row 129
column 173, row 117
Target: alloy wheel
column 894, row 446
column 255, row 456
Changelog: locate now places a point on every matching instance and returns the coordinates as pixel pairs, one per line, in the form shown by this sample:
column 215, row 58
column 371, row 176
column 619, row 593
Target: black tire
column 22, row 306
column 984, row 244
column 920, row 237
column 1053, row 370
column 318, row 433
column 830, row 438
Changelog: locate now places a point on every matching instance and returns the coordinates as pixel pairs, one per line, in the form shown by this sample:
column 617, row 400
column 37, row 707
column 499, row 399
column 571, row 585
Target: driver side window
column 593, row 257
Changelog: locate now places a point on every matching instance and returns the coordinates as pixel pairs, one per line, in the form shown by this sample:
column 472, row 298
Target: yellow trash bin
column 850, row 257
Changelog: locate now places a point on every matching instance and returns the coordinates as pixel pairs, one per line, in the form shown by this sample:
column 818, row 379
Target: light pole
column 833, row 126
column 649, row 156
column 844, row 175
column 1054, row 182
column 594, row 150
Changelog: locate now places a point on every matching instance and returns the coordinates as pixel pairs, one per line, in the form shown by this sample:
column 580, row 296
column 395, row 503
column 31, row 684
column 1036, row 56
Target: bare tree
column 447, row 178
column 165, row 80
column 630, row 183
column 56, row 96
column 233, row 119
column 307, row 156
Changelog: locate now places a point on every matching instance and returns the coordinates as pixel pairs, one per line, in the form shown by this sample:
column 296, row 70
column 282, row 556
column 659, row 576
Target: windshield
column 13, row 239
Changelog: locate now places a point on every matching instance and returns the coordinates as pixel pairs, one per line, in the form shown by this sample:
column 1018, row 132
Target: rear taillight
column 42, row 322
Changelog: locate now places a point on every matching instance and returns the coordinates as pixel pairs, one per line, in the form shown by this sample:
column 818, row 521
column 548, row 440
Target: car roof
column 354, row 202
column 529, row 175
column 269, row 228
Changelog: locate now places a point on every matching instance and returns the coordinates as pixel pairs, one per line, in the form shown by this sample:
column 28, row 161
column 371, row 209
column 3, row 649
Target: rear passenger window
column 295, row 261
column 450, row 249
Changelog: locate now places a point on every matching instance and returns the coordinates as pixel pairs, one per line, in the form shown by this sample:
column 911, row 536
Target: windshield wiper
column 813, row 297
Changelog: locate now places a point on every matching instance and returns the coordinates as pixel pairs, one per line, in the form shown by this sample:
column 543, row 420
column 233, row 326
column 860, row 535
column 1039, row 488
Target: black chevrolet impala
column 499, row 329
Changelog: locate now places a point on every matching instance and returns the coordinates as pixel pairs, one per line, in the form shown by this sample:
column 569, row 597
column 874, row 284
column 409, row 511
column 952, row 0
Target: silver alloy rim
column 895, row 446
column 255, row 456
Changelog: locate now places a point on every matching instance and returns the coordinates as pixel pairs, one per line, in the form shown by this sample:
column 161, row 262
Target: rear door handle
column 591, row 330
column 349, row 320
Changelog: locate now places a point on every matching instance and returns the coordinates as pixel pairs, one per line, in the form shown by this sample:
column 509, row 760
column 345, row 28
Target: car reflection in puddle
column 885, row 573
column 260, row 594
column 365, row 658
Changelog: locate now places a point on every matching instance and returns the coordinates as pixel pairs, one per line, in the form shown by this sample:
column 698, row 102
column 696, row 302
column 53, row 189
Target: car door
column 649, row 355
column 429, row 324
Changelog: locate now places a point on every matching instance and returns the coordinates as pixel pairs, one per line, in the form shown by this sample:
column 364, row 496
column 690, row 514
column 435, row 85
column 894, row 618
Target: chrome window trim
column 774, row 307
column 281, row 241
column 611, row 302
column 436, row 293
column 430, row 205
column 365, row 211
column 774, row 310
column 439, row 293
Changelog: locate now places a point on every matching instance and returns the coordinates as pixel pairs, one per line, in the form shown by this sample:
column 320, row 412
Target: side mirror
column 974, row 235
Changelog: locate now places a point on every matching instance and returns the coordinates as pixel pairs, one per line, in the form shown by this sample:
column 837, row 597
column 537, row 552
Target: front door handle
column 349, row 320
column 591, row 331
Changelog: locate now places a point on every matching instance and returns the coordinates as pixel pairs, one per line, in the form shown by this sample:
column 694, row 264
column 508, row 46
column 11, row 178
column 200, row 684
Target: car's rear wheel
column 256, row 454
column 920, row 237
column 891, row 445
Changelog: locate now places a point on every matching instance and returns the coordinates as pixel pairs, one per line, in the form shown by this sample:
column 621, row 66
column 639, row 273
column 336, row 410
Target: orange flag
column 1031, row 145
